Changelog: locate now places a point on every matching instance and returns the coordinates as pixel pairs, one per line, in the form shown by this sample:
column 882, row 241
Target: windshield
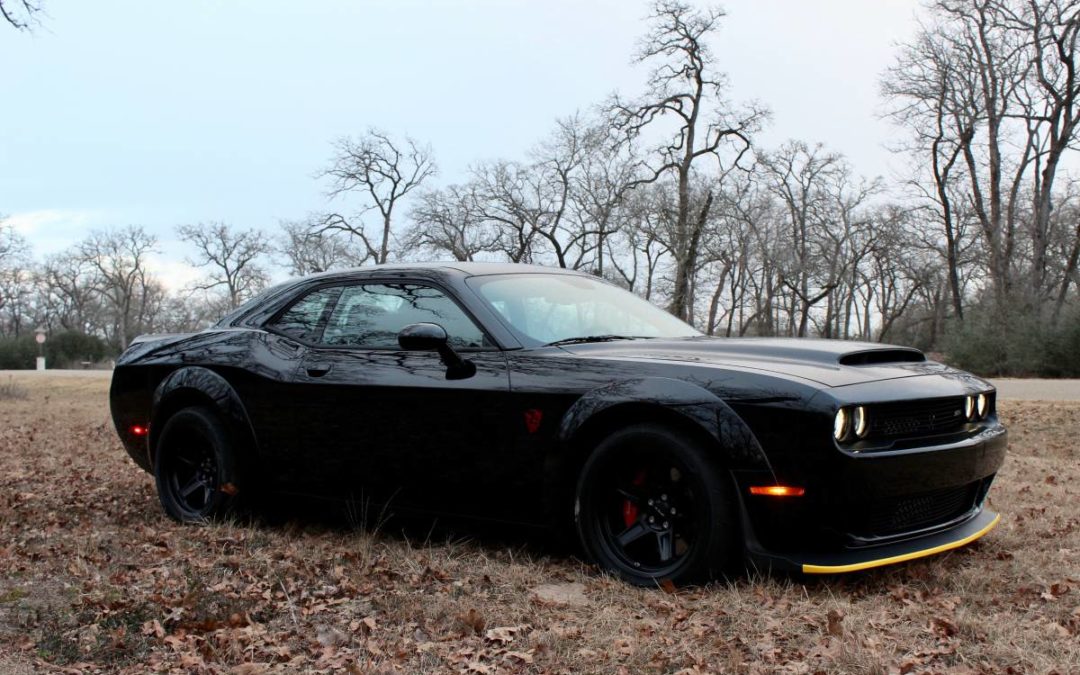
column 546, row 308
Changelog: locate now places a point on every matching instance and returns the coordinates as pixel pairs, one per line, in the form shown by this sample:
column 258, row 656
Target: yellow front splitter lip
column 903, row 557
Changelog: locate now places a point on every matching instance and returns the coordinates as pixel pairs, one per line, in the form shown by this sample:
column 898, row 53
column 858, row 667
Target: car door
column 387, row 425
column 271, row 398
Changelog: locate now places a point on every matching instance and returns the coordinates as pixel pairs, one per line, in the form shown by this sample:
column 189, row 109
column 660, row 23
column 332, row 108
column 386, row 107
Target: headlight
column 982, row 404
column 969, row 408
column 841, row 423
column 861, row 422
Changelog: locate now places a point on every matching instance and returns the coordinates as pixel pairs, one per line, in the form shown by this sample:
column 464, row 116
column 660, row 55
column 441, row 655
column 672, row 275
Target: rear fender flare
column 201, row 385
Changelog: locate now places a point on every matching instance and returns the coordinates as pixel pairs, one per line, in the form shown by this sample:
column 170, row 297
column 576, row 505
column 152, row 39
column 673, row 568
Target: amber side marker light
column 137, row 430
column 777, row 491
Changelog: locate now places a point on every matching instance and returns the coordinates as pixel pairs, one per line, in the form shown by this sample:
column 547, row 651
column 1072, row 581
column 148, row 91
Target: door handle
column 318, row 369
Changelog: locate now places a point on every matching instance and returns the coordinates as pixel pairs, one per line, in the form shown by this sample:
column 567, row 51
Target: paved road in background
column 1037, row 390
column 1008, row 389
column 65, row 373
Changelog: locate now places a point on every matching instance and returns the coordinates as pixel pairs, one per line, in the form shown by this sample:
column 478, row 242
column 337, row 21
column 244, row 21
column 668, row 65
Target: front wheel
column 195, row 467
column 652, row 507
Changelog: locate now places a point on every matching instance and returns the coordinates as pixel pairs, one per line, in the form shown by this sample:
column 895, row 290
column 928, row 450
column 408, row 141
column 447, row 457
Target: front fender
column 735, row 442
column 197, row 385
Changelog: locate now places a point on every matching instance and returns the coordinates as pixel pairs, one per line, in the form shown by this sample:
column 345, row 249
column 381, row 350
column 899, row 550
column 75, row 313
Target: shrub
column 17, row 353
column 67, row 349
column 1020, row 345
column 70, row 348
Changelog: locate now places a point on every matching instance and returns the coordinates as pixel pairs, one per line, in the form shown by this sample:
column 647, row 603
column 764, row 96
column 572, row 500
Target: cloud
column 52, row 230
column 175, row 275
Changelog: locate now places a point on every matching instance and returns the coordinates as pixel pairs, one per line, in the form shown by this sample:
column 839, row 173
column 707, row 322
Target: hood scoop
column 833, row 363
column 874, row 357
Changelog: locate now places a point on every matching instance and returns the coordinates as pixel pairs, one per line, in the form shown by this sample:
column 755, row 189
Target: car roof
column 453, row 268
column 447, row 272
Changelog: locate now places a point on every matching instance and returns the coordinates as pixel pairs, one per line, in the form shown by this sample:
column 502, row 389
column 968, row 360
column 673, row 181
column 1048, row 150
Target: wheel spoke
column 632, row 534
column 636, row 499
column 192, row 485
column 664, row 541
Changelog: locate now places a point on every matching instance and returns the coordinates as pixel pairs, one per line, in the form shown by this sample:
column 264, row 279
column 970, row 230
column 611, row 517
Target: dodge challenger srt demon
column 542, row 396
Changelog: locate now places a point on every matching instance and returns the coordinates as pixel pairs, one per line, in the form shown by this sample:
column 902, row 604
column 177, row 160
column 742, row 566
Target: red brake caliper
column 629, row 509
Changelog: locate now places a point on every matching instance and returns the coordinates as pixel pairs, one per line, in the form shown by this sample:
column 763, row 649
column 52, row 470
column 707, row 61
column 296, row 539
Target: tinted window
column 544, row 308
column 302, row 319
column 251, row 304
column 372, row 315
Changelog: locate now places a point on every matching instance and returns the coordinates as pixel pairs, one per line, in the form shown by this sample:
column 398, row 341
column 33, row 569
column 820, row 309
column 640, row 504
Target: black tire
column 652, row 507
column 196, row 467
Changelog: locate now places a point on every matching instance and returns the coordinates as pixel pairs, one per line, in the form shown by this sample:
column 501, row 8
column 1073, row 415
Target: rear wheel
column 195, row 467
column 651, row 506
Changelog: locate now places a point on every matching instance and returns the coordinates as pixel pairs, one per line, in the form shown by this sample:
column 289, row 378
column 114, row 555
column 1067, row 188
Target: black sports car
column 536, row 395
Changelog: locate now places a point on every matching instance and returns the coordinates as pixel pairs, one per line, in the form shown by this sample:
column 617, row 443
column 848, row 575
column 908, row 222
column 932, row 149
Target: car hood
column 833, row 363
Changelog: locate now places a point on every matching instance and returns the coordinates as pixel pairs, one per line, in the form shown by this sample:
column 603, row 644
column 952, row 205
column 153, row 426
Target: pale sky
column 165, row 113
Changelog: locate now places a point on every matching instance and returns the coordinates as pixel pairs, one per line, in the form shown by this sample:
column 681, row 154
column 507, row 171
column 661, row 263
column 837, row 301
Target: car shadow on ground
column 496, row 539
column 416, row 529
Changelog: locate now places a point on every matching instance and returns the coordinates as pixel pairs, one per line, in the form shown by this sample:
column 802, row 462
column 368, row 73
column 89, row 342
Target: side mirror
column 422, row 337
column 431, row 337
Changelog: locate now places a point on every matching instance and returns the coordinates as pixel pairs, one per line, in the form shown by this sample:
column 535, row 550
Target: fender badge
column 533, row 417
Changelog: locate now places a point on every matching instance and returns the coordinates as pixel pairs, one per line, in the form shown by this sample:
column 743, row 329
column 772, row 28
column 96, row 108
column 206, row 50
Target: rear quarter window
column 304, row 319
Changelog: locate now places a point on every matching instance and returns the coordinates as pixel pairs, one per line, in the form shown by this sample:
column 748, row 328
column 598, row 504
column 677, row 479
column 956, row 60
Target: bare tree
column 742, row 250
column 232, row 258
column 179, row 313
column 606, row 176
column 635, row 251
column 1065, row 247
column 990, row 90
column 306, row 250
column 128, row 292
column 12, row 244
column 511, row 199
column 66, row 286
column 684, row 86
column 818, row 195
column 1049, row 101
column 383, row 171
column 552, row 180
column 22, row 14
column 931, row 91
column 450, row 221
column 14, row 277
column 895, row 271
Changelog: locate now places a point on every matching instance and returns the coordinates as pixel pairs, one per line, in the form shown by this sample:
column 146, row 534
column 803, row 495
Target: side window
column 303, row 318
column 372, row 315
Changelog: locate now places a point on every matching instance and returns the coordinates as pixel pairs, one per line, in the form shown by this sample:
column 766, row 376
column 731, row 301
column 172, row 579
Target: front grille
column 914, row 512
column 916, row 418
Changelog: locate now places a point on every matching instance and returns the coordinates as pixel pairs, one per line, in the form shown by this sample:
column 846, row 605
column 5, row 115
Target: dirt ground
column 93, row 578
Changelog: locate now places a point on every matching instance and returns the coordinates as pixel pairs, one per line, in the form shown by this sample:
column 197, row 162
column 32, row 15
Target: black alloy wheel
column 195, row 467
column 651, row 506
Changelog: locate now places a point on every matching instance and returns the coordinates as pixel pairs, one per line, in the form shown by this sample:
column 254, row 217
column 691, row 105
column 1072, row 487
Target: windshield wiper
column 594, row 338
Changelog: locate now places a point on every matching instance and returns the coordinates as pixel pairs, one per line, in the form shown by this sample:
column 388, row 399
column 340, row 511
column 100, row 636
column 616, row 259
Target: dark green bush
column 1016, row 345
column 17, row 353
column 68, row 349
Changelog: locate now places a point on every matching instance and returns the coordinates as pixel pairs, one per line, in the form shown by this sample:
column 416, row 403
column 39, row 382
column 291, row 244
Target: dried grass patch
column 10, row 391
column 93, row 577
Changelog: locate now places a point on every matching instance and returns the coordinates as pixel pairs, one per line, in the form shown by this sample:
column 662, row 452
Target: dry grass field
column 93, row 578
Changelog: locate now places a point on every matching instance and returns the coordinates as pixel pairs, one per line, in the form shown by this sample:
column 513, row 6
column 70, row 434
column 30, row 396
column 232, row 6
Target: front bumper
column 862, row 512
column 879, row 556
